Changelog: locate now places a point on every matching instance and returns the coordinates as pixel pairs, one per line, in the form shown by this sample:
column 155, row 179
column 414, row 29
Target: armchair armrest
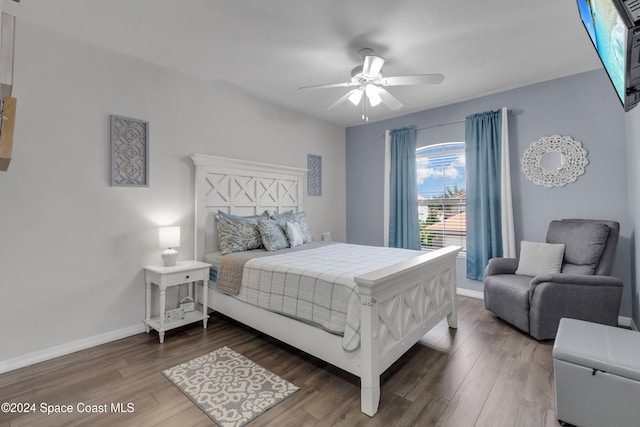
column 584, row 297
column 556, row 283
column 501, row 266
column 575, row 279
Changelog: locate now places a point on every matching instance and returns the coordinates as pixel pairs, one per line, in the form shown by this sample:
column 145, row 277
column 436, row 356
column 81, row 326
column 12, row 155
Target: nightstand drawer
column 179, row 277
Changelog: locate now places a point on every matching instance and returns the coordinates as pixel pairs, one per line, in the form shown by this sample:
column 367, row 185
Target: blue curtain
column 484, row 229
column 404, row 231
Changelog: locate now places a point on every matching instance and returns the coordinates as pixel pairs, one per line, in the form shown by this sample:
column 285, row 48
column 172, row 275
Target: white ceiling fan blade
column 330, row 85
column 372, row 65
column 416, row 79
column 342, row 99
column 388, row 99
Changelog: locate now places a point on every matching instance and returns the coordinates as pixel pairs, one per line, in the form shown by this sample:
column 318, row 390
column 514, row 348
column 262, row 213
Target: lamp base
column 169, row 257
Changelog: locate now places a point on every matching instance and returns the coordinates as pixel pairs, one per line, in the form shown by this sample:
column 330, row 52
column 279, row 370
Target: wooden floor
column 485, row 373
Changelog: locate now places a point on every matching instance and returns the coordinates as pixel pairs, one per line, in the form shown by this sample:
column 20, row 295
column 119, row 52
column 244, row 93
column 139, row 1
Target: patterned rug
column 228, row 387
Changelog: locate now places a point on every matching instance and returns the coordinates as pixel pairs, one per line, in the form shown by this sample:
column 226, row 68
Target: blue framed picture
column 129, row 152
column 314, row 175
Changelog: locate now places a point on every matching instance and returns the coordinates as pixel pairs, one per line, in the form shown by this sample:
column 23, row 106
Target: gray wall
column 582, row 106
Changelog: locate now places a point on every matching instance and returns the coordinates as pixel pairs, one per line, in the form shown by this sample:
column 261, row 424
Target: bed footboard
column 400, row 303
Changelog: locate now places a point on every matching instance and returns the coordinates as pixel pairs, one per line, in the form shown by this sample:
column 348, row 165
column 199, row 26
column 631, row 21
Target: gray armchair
column 583, row 289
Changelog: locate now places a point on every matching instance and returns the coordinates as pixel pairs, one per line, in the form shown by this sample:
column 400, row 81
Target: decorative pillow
column 265, row 214
column 300, row 218
column 294, row 234
column 281, row 218
column 539, row 258
column 584, row 244
column 237, row 234
column 273, row 237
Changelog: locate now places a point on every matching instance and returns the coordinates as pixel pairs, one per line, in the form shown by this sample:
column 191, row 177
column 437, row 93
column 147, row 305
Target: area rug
column 231, row 389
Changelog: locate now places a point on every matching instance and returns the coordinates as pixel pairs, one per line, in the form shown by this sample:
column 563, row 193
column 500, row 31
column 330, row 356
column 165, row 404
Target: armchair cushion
column 584, row 243
column 539, row 258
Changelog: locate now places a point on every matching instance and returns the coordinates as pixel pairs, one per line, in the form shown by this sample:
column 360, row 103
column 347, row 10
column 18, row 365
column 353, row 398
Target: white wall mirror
column 554, row 161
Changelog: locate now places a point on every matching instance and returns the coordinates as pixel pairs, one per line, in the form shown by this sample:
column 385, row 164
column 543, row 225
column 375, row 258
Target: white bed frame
column 400, row 303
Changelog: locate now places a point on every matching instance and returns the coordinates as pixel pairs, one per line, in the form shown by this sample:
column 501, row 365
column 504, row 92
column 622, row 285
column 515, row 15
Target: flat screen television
column 614, row 29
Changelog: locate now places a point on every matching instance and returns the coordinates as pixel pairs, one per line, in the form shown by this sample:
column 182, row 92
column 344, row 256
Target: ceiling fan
column 370, row 84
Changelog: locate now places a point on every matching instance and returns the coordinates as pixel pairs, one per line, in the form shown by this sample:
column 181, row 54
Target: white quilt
column 316, row 285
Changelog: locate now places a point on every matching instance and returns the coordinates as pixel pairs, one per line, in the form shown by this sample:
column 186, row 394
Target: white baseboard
column 64, row 349
column 470, row 293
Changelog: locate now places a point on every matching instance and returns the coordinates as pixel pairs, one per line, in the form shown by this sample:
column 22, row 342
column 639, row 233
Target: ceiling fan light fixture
column 373, row 95
column 356, row 96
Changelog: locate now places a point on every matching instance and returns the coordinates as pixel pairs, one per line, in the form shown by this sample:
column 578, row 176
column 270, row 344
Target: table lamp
column 169, row 237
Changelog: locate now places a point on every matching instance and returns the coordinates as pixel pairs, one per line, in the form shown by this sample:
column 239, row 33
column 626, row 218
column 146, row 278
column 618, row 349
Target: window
column 442, row 195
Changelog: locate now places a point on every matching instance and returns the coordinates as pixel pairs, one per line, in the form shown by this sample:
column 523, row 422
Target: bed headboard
column 240, row 187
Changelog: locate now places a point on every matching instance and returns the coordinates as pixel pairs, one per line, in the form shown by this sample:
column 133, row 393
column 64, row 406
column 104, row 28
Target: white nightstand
column 164, row 277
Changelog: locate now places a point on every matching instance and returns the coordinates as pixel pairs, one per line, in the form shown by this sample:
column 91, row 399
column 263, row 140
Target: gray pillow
column 272, row 234
column 584, row 244
column 300, row 218
column 281, row 218
column 294, row 234
column 539, row 258
column 236, row 234
column 265, row 214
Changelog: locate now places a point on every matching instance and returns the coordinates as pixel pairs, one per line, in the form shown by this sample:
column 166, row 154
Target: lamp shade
column 373, row 94
column 356, row 96
column 169, row 237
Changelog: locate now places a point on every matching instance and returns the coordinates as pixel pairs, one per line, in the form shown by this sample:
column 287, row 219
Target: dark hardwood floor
column 485, row 373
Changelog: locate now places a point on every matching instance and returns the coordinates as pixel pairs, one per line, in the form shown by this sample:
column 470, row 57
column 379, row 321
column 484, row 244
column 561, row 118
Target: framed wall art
column 129, row 152
column 314, row 175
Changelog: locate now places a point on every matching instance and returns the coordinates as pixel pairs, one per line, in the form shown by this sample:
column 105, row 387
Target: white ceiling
column 269, row 48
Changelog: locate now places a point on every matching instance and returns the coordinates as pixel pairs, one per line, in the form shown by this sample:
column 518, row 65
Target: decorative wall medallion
column 129, row 152
column 554, row 161
column 314, row 175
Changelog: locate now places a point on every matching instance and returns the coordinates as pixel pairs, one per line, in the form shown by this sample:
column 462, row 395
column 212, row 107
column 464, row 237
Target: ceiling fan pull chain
column 365, row 116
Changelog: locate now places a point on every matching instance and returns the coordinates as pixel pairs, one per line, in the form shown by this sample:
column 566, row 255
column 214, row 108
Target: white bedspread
column 316, row 285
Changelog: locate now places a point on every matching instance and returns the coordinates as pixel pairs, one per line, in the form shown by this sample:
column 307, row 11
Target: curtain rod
column 435, row 125
column 509, row 111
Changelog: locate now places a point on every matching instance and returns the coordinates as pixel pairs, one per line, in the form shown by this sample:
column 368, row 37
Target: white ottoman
column 597, row 374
